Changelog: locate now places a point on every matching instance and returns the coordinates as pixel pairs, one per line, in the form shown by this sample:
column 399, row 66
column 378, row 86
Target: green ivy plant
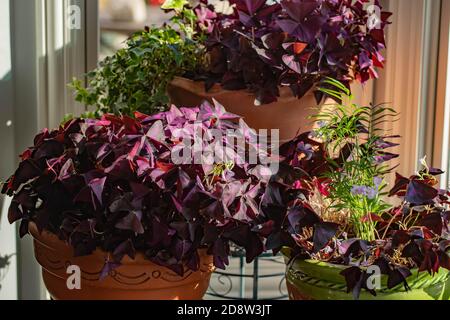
column 135, row 78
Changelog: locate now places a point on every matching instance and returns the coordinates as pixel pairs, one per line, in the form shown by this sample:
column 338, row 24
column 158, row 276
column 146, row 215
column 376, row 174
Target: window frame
column 41, row 69
column 442, row 132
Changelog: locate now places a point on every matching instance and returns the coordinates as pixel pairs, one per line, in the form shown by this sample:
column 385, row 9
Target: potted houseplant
column 135, row 78
column 272, row 54
column 275, row 54
column 341, row 237
column 108, row 196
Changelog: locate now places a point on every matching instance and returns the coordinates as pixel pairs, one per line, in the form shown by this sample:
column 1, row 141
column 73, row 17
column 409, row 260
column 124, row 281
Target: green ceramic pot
column 314, row 280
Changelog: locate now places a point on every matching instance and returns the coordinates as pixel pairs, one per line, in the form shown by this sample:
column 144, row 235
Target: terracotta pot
column 314, row 280
column 137, row 279
column 288, row 114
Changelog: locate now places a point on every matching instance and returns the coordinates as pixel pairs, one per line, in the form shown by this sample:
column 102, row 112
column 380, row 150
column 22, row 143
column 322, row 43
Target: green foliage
column 353, row 137
column 177, row 5
column 135, row 78
column 85, row 115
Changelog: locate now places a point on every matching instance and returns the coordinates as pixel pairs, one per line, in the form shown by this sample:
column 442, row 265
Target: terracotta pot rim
column 51, row 240
column 217, row 90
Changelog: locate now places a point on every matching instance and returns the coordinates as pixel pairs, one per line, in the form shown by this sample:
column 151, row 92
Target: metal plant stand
column 223, row 283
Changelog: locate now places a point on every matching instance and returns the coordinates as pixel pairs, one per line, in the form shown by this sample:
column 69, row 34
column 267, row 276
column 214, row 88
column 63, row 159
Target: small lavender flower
column 371, row 193
column 377, row 181
column 322, row 124
column 313, row 134
column 358, row 190
column 368, row 192
column 306, row 149
column 316, row 133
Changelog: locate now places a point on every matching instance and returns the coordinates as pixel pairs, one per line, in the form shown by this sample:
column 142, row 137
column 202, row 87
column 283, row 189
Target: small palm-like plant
column 357, row 144
column 339, row 210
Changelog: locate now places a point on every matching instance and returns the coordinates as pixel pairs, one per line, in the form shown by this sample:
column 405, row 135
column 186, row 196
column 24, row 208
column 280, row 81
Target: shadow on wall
column 8, row 261
column 7, row 156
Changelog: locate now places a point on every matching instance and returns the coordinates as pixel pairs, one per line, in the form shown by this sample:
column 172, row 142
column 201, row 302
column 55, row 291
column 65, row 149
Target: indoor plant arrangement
column 106, row 195
column 263, row 45
column 335, row 225
column 279, row 53
column 272, row 54
column 135, row 78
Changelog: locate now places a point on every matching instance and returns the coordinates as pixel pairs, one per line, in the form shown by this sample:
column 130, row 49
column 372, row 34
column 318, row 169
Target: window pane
column 5, row 50
column 121, row 18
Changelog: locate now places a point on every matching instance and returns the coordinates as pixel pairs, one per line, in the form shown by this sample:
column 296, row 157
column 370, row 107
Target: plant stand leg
column 242, row 278
column 255, row 278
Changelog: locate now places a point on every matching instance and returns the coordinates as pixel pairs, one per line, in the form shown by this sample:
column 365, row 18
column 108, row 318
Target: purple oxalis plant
column 112, row 184
column 263, row 45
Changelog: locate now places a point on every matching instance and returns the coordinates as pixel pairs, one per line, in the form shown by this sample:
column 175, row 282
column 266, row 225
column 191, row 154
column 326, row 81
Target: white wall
column 8, row 289
column 7, row 232
column 6, row 94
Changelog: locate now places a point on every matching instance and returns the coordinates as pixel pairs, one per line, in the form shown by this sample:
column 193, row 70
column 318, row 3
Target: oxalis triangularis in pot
column 106, row 195
column 275, row 55
column 272, row 54
column 341, row 235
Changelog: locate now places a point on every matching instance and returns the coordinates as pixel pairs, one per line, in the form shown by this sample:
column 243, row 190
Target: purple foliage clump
column 111, row 183
column 262, row 46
